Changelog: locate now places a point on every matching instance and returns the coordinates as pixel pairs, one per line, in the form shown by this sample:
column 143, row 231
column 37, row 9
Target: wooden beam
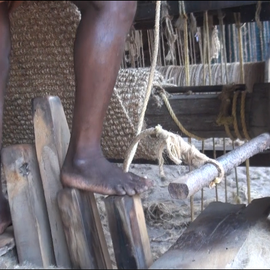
column 83, row 230
column 198, row 113
column 145, row 15
column 128, row 231
column 146, row 11
column 27, row 205
column 201, row 89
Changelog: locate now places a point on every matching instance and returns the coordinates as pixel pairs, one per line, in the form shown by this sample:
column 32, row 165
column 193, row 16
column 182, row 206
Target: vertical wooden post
column 27, row 205
column 83, row 229
column 51, row 140
column 128, row 231
column 80, row 224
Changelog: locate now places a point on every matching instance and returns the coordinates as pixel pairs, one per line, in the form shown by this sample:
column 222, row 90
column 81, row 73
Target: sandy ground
column 167, row 218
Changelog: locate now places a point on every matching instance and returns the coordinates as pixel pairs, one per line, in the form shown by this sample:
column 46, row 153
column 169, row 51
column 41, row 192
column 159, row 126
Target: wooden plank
column 52, row 137
column 145, row 15
column 27, row 205
column 201, row 88
column 146, row 11
column 83, row 229
column 213, row 240
column 49, row 128
column 7, row 241
column 128, row 231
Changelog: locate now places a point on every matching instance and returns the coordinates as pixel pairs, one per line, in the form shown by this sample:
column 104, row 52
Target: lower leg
column 98, row 51
column 5, row 218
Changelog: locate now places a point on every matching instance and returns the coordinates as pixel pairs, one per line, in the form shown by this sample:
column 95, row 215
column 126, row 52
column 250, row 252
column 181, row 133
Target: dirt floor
column 167, row 218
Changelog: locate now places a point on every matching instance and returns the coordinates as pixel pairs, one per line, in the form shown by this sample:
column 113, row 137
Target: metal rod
column 190, row 183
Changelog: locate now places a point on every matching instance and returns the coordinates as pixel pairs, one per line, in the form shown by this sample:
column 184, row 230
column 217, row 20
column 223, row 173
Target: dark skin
column 98, row 51
column 5, row 45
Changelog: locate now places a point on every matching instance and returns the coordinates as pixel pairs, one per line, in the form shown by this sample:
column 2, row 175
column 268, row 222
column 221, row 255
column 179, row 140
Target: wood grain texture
column 51, row 140
column 27, row 205
column 213, row 240
column 128, row 231
column 75, row 223
column 83, row 230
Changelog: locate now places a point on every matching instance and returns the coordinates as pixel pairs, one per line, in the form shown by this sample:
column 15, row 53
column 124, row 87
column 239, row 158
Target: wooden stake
column 27, row 205
column 128, row 231
column 83, row 229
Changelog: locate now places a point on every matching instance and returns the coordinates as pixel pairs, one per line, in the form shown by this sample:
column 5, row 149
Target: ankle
column 83, row 155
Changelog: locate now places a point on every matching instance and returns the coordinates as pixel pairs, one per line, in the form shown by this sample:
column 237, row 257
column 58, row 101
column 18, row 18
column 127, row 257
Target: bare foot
column 100, row 176
column 5, row 218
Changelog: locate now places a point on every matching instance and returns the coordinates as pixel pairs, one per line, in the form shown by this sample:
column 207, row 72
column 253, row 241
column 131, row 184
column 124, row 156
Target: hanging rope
column 238, row 20
column 130, row 156
column 177, row 150
column 162, row 93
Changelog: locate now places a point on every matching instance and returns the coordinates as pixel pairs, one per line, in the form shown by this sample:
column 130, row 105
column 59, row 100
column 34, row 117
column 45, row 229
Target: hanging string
column 208, row 47
column 202, row 199
column 183, row 15
column 191, row 197
column 259, row 24
column 236, row 179
column 193, row 30
column 238, row 19
column 215, row 156
column 225, row 178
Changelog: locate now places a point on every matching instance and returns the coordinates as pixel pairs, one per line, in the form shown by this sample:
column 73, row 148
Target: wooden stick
column 83, row 229
column 195, row 180
column 27, row 205
column 128, row 231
